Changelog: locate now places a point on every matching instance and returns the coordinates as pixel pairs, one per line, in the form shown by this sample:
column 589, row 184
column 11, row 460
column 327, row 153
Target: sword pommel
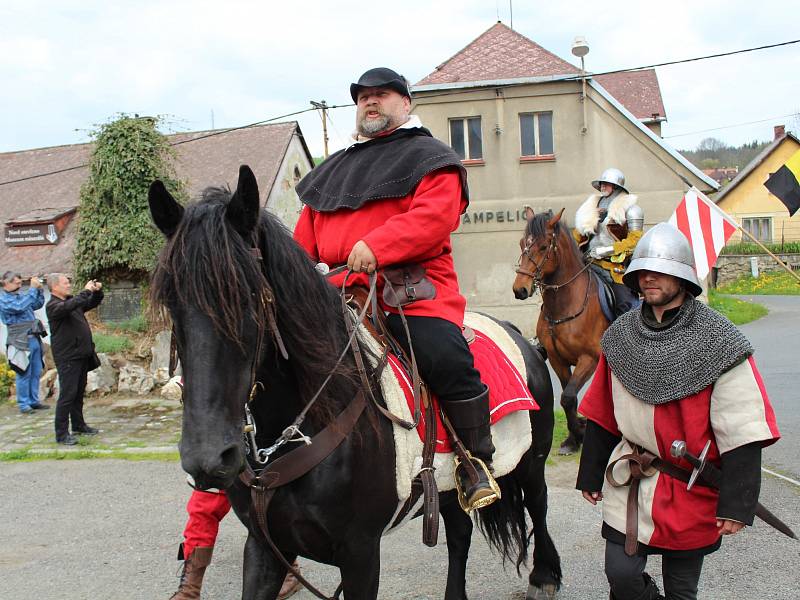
column 678, row 449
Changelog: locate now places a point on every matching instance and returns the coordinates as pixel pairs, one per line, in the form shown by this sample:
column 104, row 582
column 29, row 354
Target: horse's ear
column 243, row 207
column 554, row 221
column 527, row 212
column 164, row 209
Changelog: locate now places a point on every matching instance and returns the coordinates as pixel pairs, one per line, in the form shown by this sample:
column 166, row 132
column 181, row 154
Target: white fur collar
column 588, row 214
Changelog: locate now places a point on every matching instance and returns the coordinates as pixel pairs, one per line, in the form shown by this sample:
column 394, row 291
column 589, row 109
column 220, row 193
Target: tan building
column 748, row 201
column 516, row 113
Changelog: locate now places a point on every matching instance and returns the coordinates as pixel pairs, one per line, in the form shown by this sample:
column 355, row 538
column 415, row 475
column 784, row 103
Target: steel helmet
column 663, row 249
column 612, row 176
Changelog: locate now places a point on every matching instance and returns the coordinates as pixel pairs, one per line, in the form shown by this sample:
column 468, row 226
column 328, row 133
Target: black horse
column 213, row 283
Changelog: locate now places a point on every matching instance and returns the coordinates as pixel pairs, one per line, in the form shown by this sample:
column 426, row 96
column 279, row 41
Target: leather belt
column 642, row 463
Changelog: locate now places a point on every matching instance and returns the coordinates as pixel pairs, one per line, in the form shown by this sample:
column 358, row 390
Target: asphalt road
column 776, row 339
column 108, row 530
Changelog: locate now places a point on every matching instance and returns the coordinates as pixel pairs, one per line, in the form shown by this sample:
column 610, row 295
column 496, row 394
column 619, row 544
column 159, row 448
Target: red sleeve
column 598, row 402
column 420, row 232
column 304, row 233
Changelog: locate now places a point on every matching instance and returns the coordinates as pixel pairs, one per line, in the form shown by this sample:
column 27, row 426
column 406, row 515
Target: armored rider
column 390, row 200
column 671, row 370
column 607, row 227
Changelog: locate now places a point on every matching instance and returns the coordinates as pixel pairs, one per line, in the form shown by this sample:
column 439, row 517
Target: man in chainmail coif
column 671, row 370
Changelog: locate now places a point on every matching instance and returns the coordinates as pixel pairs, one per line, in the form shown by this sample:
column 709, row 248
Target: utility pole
column 323, row 106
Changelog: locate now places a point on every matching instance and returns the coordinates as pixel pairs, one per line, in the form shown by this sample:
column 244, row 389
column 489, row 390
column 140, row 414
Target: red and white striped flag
column 706, row 226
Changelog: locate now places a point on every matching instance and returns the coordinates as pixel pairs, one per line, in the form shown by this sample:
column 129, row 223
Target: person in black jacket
column 73, row 351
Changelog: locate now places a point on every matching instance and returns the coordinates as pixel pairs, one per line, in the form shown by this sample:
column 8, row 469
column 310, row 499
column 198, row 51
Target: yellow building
column 748, row 201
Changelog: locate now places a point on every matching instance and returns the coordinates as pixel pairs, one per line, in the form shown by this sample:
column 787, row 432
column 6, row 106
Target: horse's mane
column 207, row 264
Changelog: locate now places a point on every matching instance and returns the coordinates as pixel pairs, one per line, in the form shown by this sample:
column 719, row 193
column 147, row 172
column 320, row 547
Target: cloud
column 78, row 62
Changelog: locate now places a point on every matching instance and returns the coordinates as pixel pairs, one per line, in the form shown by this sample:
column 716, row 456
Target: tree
column 709, row 163
column 116, row 239
column 711, row 144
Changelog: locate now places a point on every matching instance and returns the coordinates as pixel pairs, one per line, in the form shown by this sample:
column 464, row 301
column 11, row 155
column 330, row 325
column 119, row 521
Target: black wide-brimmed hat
column 381, row 77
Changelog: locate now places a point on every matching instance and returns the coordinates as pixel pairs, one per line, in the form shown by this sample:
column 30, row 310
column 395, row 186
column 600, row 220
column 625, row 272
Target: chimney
column 780, row 131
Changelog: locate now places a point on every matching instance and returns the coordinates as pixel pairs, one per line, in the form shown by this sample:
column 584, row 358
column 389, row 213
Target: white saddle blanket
column 511, row 435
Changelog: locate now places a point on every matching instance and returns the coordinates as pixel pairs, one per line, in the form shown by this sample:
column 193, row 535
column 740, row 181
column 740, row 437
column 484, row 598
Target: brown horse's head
column 539, row 246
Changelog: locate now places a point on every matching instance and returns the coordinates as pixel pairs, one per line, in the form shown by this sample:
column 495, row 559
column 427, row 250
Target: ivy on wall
column 116, row 239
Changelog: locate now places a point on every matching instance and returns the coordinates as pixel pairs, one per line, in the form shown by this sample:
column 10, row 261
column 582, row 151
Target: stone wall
column 732, row 266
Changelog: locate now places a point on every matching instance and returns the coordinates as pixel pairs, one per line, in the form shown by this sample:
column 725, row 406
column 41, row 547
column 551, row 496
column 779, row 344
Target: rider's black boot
column 470, row 419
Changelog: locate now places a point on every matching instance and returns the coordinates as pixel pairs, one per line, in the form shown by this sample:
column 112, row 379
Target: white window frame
column 465, row 132
column 535, row 114
column 749, row 230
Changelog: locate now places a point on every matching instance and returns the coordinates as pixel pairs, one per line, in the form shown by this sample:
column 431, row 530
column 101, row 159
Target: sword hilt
column 678, row 450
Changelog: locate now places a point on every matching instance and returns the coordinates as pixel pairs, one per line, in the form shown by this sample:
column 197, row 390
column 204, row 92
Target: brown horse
column 571, row 321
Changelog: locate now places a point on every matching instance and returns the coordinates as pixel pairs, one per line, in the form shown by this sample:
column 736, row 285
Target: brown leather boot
column 290, row 584
column 194, row 568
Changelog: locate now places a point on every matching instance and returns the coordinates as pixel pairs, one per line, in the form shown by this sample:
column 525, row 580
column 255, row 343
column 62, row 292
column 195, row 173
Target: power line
column 187, row 141
column 730, row 126
column 688, row 60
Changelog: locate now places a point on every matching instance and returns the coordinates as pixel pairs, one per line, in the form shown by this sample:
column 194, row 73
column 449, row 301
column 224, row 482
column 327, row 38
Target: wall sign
column 41, row 234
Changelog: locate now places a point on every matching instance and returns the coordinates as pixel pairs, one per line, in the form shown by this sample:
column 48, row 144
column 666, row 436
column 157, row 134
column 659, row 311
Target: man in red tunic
column 392, row 198
column 672, row 369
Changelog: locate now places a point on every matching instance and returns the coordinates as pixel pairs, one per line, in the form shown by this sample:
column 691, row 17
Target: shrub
column 110, row 344
column 137, row 324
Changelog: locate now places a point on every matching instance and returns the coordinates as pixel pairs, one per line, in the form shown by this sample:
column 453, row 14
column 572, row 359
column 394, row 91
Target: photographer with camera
column 73, row 351
column 23, row 344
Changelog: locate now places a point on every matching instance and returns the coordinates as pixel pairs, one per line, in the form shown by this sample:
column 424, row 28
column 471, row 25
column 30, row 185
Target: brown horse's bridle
column 536, row 275
column 538, row 282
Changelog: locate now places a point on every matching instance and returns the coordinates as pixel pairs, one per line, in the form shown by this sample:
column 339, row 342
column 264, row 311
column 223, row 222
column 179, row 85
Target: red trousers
column 206, row 510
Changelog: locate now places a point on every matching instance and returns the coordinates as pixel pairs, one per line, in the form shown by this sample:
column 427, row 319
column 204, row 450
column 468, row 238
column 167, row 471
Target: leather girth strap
column 292, row 466
column 642, row 463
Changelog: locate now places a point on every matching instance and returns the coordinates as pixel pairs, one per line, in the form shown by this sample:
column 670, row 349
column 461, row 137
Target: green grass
column 770, row 282
column 751, row 248
column 137, row 324
column 738, row 311
column 27, row 455
column 560, row 433
column 110, row 344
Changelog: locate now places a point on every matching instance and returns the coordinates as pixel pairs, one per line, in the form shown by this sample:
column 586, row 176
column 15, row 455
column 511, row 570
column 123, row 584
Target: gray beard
column 370, row 127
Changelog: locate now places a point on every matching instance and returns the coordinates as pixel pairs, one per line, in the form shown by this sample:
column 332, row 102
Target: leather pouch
column 406, row 284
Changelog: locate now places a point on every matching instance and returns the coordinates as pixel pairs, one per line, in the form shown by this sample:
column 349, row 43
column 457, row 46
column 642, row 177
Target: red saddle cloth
column 508, row 391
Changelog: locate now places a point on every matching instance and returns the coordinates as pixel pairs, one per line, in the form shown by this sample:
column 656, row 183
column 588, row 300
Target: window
column 759, row 227
column 466, row 138
column 536, row 133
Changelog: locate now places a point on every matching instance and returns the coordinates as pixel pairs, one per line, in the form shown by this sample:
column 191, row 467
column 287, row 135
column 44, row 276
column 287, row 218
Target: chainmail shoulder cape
column 659, row 366
column 389, row 166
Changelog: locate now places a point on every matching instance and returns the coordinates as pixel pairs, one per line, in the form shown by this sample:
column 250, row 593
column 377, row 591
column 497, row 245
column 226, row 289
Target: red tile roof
column 499, row 53
column 214, row 160
column 638, row 91
column 502, row 53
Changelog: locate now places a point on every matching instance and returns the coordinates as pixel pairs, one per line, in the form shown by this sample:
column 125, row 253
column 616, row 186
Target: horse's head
column 210, row 280
column 539, row 246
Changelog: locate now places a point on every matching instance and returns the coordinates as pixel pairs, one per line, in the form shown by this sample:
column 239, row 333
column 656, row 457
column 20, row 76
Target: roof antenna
column 497, row 9
column 511, row 10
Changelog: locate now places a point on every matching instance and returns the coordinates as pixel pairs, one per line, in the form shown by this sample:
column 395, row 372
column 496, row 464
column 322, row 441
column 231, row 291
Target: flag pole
column 765, row 249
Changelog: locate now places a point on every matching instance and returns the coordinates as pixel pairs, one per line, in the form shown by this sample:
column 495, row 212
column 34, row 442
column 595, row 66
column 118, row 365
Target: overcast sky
column 67, row 65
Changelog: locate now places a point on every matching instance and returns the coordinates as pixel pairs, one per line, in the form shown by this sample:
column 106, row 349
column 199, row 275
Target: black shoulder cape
column 385, row 167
